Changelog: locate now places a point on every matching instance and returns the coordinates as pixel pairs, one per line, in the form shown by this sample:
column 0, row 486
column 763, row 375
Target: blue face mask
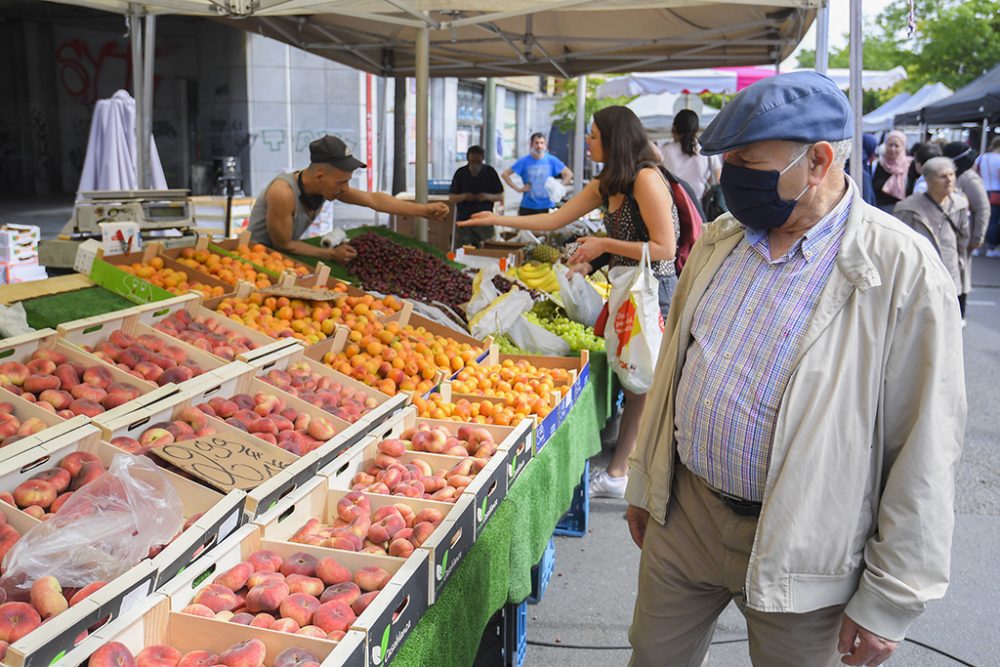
column 752, row 195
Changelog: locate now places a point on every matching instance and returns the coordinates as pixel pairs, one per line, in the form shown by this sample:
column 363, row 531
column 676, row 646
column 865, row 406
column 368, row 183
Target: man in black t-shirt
column 475, row 187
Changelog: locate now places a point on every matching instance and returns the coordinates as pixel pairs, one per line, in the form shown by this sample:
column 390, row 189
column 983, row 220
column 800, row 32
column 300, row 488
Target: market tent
column 882, row 119
column 657, row 112
column 978, row 101
column 730, row 80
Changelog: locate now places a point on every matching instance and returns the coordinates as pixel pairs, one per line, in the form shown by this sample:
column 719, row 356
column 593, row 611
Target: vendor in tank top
column 286, row 209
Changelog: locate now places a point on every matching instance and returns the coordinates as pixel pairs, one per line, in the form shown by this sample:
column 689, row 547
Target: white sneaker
column 979, row 252
column 603, row 485
column 993, row 252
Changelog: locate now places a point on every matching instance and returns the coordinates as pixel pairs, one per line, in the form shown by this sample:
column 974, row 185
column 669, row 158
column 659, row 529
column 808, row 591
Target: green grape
column 577, row 336
column 507, row 346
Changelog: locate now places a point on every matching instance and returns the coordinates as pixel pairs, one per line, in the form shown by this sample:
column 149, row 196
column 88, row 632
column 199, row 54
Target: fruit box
column 578, row 366
column 417, row 321
column 240, row 378
column 20, row 349
column 281, row 358
column 153, row 314
column 24, row 410
column 59, row 635
column 386, row 621
column 154, row 623
column 155, row 249
column 92, row 331
column 488, row 487
column 515, row 444
column 446, row 546
column 133, row 288
column 220, row 513
column 321, row 279
column 294, row 471
column 228, row 247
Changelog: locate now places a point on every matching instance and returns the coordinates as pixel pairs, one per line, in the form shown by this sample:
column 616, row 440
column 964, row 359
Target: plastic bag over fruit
column 483, row 291
column 105, row 528
column 537, row 340
column 580, row 300
column 500, row 314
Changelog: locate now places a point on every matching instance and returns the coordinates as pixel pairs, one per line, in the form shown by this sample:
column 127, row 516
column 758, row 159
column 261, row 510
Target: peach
column 57, row 398
column 265, row 561
column 60, row 501
column 57, row 477
column 34, row 511
column 235, row 577
column 125, row 389
column 333, row 615
column 393, row 447
column 262, row 620
column 16, row 620
column 385, row 529
column 299, row 583
column 321, row 429
column 431, row 515
column 130, row 445
column 31, row 426
column 150, row 371
column 243, row 618
column 158, row 655
column 421, row 531
column 35, row 492
column 352, row 505
column 401, row 548
column 15, row 372
column 89, row 392
column 87, row 473
column 267, row 597
column 198, row 659
column 193, row 416
column 285, row 625
column 346, row 592
column 112, row 654
column 295, row 657
column 121, row 339
column 40, row 382
column 41, row 367
column 371, row 578
column 247, row 653
column 406, row 512
column 156, row 437
column 7, row 497
column 181, row 430
column 47, row 597
column 261, row 578
column 75, row 460
column 223, row 615
column 299, row 563
column 82, row 406
column 216, row 597
column 299, row 607
column 85, row 591
column 363, row 601
column 312, row 631
column 336, row 635
column 198, row 610
column 98, row 376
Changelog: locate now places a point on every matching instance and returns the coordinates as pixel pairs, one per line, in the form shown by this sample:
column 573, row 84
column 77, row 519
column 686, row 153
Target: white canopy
column 657, row 112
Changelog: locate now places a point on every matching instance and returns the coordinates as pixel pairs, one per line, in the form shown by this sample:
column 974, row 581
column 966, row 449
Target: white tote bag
column 635, row 325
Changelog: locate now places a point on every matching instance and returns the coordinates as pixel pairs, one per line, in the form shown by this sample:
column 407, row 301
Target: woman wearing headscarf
column 941, row 215
column 889, row 179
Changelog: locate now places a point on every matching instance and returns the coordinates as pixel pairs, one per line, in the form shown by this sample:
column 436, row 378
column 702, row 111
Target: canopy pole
column 422, row 67
column 578, row 140
column 490, row 121
column 856, row 92
column 135, row 33
column 823, row 39
column 148, row 61
column 983, row 143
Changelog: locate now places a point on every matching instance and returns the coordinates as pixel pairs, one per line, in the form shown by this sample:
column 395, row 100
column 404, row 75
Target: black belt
column 738, row 506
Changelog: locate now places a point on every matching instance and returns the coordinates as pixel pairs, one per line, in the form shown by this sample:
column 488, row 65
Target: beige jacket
column 951, row 242
column 858, row 501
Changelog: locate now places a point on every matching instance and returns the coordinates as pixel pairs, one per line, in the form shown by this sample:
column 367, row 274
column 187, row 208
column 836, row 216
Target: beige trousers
column 691, row 568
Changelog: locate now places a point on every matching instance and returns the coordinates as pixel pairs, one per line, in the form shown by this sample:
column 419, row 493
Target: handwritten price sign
column 226, row 463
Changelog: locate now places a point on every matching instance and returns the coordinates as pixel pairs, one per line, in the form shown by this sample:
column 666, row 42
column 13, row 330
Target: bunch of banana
column 603, row 288
column 537, row 275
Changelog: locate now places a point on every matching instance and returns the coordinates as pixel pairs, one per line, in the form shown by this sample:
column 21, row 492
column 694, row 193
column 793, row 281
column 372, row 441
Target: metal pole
column 135, row 32
column 578, row 141
column 422, row 66
column 822, row 39
column 983, row 143
column 147, row 103
column 490, row 121
column 856, row 92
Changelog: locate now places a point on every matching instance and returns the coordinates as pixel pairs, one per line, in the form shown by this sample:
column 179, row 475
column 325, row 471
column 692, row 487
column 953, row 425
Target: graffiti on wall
column 80, row 71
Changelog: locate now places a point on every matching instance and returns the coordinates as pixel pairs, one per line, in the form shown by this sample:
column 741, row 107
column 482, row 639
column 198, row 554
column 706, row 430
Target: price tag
column 226, row 463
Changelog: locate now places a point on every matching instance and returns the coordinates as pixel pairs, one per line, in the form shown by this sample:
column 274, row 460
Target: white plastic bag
column 580, row 300
column 483, row 291
column 535, row 339
column 635, row 325
column 104, row 529
column 13, row 321
column 499, row 315
column 555, row 189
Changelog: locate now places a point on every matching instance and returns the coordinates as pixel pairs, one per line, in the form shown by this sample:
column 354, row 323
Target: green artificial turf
column 53, row 310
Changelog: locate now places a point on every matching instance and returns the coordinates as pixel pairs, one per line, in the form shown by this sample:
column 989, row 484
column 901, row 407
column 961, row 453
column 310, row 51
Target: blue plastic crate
column 574, row 522
column 517, row 634
column 541, row 574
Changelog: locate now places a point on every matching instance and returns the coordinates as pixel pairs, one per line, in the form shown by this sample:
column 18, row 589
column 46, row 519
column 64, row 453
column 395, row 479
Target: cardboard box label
column 223, row 463
column 131, row 287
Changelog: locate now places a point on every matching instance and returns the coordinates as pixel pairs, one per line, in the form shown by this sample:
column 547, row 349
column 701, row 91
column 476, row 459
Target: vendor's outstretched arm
column 386, row 203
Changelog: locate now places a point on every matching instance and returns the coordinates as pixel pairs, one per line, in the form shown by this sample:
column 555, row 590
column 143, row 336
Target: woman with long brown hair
column 640, row 211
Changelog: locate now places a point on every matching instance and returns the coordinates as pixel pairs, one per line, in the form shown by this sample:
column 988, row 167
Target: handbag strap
column 947, row 217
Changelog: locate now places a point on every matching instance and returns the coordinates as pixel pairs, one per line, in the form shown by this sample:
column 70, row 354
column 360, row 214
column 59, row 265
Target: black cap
column 333, row 150
column 963, row 155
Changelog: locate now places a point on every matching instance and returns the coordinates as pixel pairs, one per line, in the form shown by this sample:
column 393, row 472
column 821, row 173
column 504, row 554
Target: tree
column 565, row 109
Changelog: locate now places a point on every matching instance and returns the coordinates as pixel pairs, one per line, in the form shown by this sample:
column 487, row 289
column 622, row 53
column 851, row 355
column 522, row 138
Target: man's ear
column 820, row 157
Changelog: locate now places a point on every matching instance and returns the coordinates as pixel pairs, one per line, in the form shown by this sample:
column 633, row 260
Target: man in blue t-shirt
column 534, row 169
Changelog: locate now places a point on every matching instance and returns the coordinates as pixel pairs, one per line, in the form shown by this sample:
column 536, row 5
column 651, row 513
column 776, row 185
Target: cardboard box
column 133, row 288
column 388, row 620
column 488, row 486
column 263, row 490
column 153, row 622
column 446, row 546
column 221, row 514
column 283, row 356
column 156, row 249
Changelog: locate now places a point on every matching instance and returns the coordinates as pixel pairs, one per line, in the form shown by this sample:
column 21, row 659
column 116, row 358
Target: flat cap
column 332, row 150
column 800, row 106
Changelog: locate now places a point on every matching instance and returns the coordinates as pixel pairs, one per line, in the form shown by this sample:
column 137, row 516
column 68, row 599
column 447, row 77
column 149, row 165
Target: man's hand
column 343, row 254
column 637, row 519
column 436, row 211
column 524, row 188
column 860, row 646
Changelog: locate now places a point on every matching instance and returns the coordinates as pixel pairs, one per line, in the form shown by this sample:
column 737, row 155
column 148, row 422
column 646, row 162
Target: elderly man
column 798, row 450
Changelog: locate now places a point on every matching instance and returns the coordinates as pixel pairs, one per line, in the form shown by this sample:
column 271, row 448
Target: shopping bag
column 535, row 339
column 635, row 325
column 580, row 300
column 499, row 315
column 483, row 291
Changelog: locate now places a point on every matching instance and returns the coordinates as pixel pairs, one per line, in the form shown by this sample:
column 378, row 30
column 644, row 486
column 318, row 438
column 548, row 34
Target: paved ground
column 590, row 600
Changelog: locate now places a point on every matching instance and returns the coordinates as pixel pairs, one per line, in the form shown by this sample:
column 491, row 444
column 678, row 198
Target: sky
column 840, row 25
